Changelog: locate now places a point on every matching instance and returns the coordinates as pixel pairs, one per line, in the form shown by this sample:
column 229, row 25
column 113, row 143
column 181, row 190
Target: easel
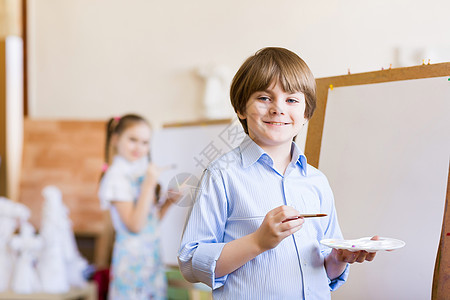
column 441, row 280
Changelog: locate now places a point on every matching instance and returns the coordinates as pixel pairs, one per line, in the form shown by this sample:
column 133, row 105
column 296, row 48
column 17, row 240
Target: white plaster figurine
column 27, row 246
column 11, row 213
column 215, row 100
column 61, row 265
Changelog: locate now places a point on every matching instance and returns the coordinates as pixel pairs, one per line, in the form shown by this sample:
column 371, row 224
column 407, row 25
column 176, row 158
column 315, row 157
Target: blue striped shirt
column 236, row 191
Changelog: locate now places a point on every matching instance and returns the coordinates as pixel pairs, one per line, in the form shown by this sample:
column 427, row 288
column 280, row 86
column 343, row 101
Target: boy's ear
column 306, row 119
column 241, row 116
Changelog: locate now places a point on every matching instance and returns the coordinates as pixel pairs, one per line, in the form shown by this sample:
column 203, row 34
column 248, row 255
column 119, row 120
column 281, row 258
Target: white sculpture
column 13, row 210
column 27, row 246
column 216, row 100
column 11, row 213
column 60, row 265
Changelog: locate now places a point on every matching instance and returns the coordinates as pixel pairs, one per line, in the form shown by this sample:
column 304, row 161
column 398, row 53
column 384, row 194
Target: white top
column 121, row 182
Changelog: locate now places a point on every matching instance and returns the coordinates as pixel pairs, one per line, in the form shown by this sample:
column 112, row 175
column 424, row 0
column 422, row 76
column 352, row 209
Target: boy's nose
column 276, row 109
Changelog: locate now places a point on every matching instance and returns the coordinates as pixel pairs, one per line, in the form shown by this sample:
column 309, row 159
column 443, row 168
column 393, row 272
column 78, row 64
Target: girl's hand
column 272, row 231
column 173, row 196
column 341, row 255
column 152, row 175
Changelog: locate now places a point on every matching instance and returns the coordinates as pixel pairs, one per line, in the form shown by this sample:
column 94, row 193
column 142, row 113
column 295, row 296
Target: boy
column 242, row 238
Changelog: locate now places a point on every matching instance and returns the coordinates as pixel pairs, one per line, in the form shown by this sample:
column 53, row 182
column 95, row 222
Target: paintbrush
column 305, row 216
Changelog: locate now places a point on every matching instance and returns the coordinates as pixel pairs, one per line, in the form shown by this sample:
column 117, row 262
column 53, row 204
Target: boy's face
column 274, row 117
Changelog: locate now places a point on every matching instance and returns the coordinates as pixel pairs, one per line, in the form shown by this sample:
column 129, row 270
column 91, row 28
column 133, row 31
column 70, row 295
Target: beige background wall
column 90, row 59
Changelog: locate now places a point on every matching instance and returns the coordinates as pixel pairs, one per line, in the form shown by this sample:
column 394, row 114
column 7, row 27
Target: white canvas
column 385, row 150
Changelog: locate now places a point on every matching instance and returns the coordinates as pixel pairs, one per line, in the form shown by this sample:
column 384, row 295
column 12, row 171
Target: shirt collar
column 251, row 152
column 299, row 157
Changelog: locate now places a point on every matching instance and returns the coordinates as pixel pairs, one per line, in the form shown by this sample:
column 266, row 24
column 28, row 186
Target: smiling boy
column 237, row 239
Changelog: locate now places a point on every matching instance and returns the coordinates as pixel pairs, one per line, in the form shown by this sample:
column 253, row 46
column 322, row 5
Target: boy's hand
column 272, row 230
column 341, row 255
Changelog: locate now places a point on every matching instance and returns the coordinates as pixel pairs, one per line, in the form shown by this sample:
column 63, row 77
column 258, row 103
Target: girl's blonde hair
column 259, row 71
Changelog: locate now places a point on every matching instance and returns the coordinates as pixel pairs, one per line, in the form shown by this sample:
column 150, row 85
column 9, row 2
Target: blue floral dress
column 137, row 271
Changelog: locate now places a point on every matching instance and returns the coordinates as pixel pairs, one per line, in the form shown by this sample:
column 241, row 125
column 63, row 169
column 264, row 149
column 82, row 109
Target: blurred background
column 87, row 60
column 90, row 59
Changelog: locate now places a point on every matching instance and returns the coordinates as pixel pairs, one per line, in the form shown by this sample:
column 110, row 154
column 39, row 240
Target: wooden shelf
column 87, row 293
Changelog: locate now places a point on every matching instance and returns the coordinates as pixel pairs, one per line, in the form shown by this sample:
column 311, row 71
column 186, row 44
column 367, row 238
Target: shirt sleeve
column 337, row 282
column 202, row 240
column 114, row 187
column 332, row 231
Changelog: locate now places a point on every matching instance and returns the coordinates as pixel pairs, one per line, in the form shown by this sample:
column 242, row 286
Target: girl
column 128, row 188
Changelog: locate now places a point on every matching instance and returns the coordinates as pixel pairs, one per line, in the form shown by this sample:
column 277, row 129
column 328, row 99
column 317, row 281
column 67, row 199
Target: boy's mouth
column 276, row 123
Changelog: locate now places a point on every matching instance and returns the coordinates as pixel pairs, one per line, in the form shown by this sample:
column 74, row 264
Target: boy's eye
column 263, row 98
column 292, row 100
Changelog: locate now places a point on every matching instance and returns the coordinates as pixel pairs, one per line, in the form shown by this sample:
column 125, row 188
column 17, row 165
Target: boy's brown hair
column 267, row 65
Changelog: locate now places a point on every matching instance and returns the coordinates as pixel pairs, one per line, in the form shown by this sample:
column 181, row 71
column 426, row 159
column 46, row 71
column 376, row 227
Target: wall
column 91, row 59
